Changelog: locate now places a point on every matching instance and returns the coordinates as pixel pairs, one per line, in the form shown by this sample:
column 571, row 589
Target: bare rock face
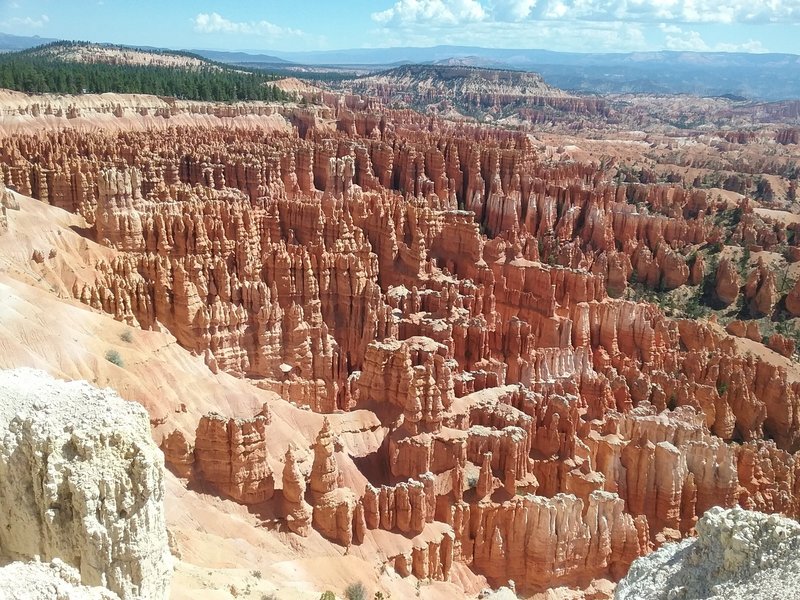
column 502, row 538
column 748, row 329
column 298, row 511
column 178, row 454
column 698, row 271
column 7, row 199
column 325, row 475
column 406, row 506
column 47, row 581
column 793, row 300
column 337, row 514
column 83, row 481
column 485, row 479
column 781, row 344
column 759, row 290
column 334, row 514
column 231, row 456
column 727, row 282
column 737, row 554
column 673, row 267
column 412, row 375
column 7, row 202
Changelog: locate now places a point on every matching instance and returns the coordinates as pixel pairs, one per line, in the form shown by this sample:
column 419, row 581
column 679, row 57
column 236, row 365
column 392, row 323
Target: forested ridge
column 41, row 70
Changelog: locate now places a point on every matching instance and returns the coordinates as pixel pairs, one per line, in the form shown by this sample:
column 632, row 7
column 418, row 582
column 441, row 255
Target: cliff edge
column 738, row 554
column 82, row 482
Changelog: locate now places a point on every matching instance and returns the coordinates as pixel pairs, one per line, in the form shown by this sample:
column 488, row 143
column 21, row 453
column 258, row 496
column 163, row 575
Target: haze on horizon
column 560, row 25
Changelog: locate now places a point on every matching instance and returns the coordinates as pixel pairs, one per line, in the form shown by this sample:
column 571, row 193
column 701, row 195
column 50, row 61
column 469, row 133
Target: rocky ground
column 736, row 554
column 36, row 580
column 83, row 485
column 426, row 355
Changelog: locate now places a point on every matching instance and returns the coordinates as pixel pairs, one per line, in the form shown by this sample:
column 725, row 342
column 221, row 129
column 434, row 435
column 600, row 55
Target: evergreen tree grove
column 36, row 72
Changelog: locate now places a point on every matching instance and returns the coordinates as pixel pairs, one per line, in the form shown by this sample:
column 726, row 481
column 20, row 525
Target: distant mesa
column 84, row 52
column 474, row 92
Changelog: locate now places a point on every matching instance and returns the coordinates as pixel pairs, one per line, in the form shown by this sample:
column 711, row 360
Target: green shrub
column 355, row 591
column 113, row 356
column 693, row 309
column 126, row 336
column 328, row 595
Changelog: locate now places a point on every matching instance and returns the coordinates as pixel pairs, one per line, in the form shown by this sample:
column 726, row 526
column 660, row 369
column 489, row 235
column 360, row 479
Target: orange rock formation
column 532, row 423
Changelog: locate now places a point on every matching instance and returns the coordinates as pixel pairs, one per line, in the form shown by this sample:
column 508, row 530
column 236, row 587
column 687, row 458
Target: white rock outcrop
column 82, row 481
column 47, row 581
column 738, row 554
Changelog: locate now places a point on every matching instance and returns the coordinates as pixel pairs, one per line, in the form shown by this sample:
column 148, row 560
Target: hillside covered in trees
column 54, row 68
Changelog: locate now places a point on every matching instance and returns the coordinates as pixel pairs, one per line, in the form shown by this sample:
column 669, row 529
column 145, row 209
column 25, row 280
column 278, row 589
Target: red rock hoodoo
column 534, row 423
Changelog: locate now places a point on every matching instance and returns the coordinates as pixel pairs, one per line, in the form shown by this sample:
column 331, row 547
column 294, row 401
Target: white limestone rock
column 738, row 554
column 502, row 593
column 47, row 581
column 82, row 481
column 7, row 198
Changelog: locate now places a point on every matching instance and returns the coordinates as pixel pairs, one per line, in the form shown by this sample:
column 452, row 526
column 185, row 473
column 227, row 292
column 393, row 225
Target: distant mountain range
column 12, row 43
column 756, row 76
column 523, row 59
column 752, row 76
column 240, row 57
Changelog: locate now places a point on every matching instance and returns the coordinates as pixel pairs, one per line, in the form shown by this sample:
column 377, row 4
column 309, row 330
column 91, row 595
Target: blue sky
column 566, row 25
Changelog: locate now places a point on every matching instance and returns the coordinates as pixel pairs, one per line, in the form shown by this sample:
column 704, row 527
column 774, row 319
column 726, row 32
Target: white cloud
column 748, row 46
column 512, row 10
column 571, row 36
column 438, row 12
column 670, row 28
column 690, row 41
column 216, row 23
column 579, row 25
column 685, row 11
column 556, row 10
column 456, row 12
column 676, row 38
column 24, row 23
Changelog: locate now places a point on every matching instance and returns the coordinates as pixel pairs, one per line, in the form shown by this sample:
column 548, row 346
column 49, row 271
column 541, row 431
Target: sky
column 563, row 25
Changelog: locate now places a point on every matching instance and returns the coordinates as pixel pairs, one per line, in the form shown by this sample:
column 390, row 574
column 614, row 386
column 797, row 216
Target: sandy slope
column 295, row 85
column 779, row 215
column 222, row 544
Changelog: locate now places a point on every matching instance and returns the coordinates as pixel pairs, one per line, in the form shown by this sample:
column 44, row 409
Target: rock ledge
column 82, row 482
column 738, row 554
